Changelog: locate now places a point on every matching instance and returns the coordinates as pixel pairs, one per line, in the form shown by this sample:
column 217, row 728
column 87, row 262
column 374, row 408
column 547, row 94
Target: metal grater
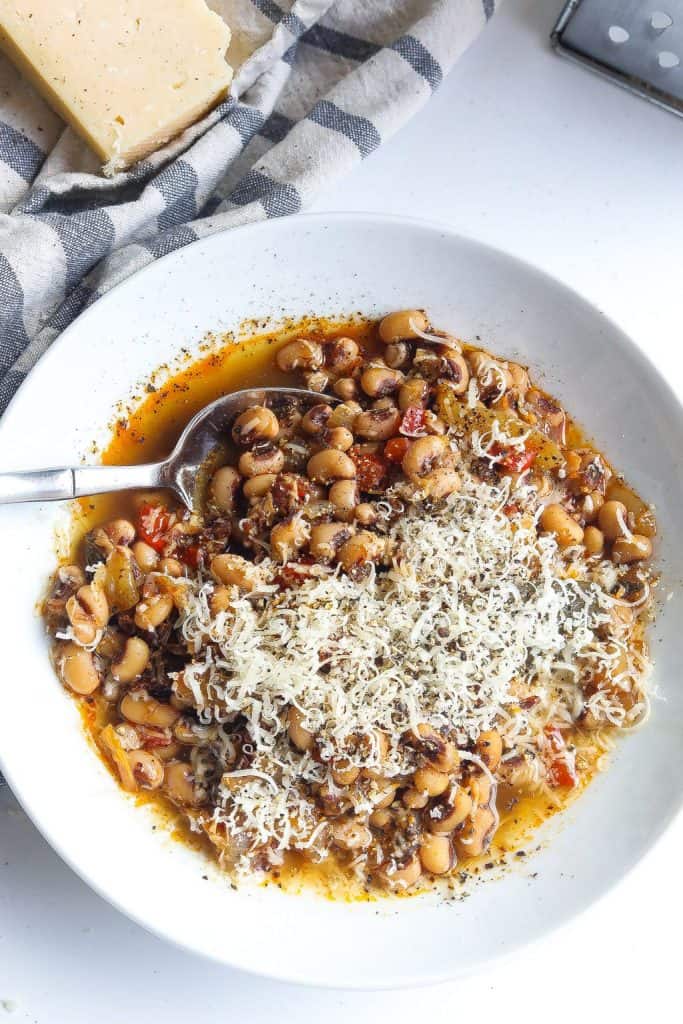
column 637, row 44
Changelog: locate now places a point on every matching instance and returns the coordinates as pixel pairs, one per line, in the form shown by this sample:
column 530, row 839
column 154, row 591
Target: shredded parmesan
column 475, row 611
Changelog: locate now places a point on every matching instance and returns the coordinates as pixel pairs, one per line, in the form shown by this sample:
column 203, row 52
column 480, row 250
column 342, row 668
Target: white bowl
column 331, row 264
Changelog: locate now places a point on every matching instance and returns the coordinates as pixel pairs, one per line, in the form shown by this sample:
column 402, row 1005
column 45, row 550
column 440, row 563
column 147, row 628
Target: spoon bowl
column 182, row 472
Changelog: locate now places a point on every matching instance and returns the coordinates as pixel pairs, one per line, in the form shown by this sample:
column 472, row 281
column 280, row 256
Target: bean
column 302, row 739
column 300, row 355
column 88, row 612
column 344, row 496
column 315, row 419
column 345, row 388
column 342, row 355
column 327, row 538
column 422, row 456
column 234, row 569
column 489, row 746
column 591, row 505
column 340, row 438
column 612, row 519
column 179, row 784
column 436, row 854
column 221, row 600
column 555, row 519
column 288, row 537
column 397, row 355
column 361, row 548
column 402, row 324
column 520, row 379
column 152, row 611
column 145, row 555
column 344, row 414
column 255, row 424
column 643, row 517
column 120, row 532
column 477, row 834
column 434, row 424
column 380, row 381
column 329, row 465
column 593, row 540
column 223, row 488
column 414, row 800
column 258, row 486
column 256, row 463
column 141, row 709
column 133, row 661
column 377, row 424
column 380, row 818
column 404, row 875
column 147, row 769
column 365, row 514
column 351, row 835
column 171, row 567
column 413, row 392
column 77, row 669
column 431, row 781
column 439, row 752
column 316, row 380
column 633, row 550
column 450, row 811
column 343, row 772
column 455, row 370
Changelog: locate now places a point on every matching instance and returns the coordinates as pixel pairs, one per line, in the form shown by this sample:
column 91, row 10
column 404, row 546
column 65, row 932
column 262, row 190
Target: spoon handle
column 62, row 484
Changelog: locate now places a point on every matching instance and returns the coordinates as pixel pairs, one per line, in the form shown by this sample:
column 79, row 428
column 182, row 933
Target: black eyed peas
column 631, row 549
column 436, row 854
column 236, row 570
column 153, row 611
column 133, row 661
column 255, row 424
column 397, row 355
column 300, row 355
column 179, row 784
column 430, row 781
column 145, row 555
column 361, row 548
column 593, row 540
column 342, row 356
column 340, row 438
column 403, row 325
column 302, row 739
column 139, row 708
column 403, row 875
column 345, row 388
column 489, row 746
column 344, row 496
column 380, row 381
column 413, row 392
column 327, row 539
column 225, row 484
column 288, row 537
column 351, row 835
column 77, row 669
column 261, row 461
column 612, row 520
column 257, row 486
column 315, row 420
column 555, row 519
column 328, row 465
column 148, row 771
column 377, row 424
column 474, row 838
column 88, row 612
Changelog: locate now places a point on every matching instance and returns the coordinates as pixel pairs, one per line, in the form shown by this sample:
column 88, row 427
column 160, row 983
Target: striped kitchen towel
column 319, row 86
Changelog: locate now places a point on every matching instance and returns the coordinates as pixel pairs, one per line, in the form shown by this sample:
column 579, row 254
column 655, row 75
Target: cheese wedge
column 127, row 75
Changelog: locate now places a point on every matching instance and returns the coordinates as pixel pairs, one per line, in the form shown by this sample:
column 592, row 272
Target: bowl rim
column 276, row 226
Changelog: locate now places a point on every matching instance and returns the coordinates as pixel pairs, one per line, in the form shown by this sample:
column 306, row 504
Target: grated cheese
column 475, row 611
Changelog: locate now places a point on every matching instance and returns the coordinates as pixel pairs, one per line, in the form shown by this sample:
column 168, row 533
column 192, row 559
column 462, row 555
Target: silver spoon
column 205, row 432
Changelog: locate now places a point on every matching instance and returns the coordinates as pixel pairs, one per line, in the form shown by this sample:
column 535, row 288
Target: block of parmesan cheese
column 127, row 75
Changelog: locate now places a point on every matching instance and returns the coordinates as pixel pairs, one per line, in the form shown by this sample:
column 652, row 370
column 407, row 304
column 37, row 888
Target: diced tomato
column 511, row 509
column 153, row 523
column 294, row 573
column 372, row 470
column 561, row 769
column 413, row 422
column 513, row 460
column 189, row 554
column 395, row 449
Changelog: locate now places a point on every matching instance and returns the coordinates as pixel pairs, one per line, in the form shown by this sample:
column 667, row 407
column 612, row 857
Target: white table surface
column 534, row 155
